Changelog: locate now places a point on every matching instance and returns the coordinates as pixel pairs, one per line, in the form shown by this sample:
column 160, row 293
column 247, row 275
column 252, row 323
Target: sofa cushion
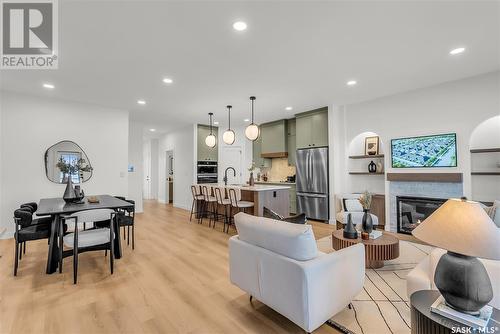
column 295, row 241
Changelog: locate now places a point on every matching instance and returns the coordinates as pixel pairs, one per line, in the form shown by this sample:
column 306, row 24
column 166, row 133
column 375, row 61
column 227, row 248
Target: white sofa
column 279, row 264
column 422, row 276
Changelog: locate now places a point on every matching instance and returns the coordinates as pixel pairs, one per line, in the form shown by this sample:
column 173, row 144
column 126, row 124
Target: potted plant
column 366, row 202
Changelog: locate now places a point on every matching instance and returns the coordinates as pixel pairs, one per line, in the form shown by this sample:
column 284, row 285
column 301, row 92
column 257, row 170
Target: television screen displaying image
column 425, row 151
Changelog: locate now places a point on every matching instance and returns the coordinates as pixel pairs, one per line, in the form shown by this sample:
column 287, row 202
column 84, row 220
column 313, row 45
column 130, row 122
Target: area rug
column 382, row 307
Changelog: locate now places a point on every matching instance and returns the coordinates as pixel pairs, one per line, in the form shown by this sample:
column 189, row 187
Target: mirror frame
column 46, row 160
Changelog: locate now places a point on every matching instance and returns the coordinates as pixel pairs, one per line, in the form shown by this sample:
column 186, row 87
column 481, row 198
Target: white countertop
column 275, row 182
column 256, row 187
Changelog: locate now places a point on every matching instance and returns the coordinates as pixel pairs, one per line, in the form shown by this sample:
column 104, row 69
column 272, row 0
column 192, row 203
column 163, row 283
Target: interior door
column 231, row 157
column 146, row 184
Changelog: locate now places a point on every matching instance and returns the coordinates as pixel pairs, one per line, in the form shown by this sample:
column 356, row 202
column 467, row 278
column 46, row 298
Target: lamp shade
column 228, row 137
column 211, row 140
column 252, row 132
column 462, row 227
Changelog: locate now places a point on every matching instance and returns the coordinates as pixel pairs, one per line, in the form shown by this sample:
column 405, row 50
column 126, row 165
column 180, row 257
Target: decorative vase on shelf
column 349, row 230
column 380, row 166
column 367, row 222
column 69, row 193
column 372, row 167
column 251, row 181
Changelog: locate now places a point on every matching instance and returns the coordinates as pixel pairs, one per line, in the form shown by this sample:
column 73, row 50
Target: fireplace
column 413, row 210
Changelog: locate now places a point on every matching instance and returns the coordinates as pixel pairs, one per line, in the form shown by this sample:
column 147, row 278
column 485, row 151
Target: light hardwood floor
column 175, row 281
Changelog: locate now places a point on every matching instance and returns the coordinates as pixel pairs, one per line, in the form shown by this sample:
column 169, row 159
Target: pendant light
column 252, row 131
column 228, row 137
column 211, row 140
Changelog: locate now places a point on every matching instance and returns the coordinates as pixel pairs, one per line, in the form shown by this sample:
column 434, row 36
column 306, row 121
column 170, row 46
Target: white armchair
column 349, row 204
column 422, row 276
column 279, row 264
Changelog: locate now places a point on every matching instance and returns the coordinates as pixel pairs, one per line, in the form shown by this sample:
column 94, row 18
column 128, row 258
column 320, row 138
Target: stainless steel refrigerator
column 312, row 183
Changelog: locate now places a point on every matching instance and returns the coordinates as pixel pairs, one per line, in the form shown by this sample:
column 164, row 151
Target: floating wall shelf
column 366, row 173
column 366, row 156
column 485, row 150
column 485, row 173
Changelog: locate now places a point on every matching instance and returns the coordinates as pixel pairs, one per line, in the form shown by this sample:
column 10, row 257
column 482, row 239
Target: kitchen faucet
column 225, row 174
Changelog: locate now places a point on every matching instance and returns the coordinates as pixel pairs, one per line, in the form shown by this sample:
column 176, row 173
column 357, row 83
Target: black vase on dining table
column 69, row 194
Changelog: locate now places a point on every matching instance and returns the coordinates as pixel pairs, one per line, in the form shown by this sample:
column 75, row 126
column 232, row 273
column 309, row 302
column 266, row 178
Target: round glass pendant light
column 252, row 131
column 228, row 137
column 211, row 140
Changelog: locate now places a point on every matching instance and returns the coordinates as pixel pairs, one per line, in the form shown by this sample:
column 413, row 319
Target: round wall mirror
column 67, row 159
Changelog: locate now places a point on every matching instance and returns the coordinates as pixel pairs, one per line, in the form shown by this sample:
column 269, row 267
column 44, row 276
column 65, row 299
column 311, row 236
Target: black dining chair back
column 27, row 229
column 126, row 219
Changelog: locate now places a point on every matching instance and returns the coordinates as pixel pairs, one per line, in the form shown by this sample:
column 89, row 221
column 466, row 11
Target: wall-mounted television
column 425, row 151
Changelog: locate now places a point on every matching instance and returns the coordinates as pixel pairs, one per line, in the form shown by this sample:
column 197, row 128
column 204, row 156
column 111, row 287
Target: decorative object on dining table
column 366, row 202
column 349, row 229
column 464, row 229
column 93, row 199
column 372, row 167
column 70, row 169
column 251, row 181
column 371, row 145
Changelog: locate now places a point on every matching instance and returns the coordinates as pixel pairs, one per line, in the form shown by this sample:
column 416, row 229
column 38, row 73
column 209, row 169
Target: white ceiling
column 293, row 53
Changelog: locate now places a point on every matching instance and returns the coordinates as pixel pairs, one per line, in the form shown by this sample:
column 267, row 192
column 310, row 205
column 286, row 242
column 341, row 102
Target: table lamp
column 464, row 229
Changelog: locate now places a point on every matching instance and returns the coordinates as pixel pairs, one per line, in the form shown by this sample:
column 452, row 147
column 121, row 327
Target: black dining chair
column 126, row 219
column 27, row 229
column 94, row 239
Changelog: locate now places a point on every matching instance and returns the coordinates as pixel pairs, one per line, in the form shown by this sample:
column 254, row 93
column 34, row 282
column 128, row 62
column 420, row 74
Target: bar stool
column 236, row 202
column 210, row 204
column 220, row 195
column 197, row 196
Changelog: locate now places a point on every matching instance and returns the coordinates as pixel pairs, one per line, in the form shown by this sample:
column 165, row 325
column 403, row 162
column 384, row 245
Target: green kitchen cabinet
column 204, row 152
column 292, row 142
column 312, row 128
column 274, row 139
column 260, row 162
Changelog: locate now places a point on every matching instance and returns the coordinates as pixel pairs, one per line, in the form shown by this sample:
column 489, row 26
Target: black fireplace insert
column 411, row 211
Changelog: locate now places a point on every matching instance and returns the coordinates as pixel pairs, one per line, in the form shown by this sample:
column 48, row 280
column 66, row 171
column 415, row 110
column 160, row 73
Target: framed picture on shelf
column 371, row 145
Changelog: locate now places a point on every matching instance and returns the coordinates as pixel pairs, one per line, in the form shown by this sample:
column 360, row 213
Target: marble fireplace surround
column 430, row 185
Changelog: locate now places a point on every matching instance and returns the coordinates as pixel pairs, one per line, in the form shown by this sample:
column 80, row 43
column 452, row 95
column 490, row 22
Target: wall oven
column 207, row 172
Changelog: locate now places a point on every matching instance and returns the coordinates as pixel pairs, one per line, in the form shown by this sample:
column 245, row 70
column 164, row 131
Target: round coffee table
column 385, row 247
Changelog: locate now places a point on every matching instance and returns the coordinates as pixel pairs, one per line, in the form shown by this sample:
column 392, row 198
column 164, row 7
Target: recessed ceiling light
column 288, row 108
column 246, row 120
column 216, row 123
column 141, row 102
column 167, row 80
column 240, row 26
column 152, row 130
column 351, row 82
column 49, row 86
column 457, row 51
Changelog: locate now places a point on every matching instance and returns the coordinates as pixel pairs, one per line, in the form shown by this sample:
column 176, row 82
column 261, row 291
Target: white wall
column 135, row 178
column 182, row 142
column 29, row 125
column 458, row 106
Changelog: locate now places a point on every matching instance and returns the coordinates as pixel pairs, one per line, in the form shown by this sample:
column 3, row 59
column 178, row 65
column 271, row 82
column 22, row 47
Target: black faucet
column 225, row 174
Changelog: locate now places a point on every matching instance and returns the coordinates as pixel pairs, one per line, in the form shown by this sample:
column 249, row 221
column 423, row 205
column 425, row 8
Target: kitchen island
column 274, row 197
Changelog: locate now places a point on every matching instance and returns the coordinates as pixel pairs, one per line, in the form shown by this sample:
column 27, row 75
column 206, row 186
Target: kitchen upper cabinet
column 292, row 142
column 260, row 162
column 203, row 151
column 312, row 128
column 274, row 139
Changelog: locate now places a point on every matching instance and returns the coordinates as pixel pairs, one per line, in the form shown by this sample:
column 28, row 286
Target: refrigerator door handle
column 311, row 195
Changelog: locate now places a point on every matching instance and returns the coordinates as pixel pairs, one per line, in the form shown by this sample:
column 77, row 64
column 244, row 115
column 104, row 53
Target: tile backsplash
column 279, row 170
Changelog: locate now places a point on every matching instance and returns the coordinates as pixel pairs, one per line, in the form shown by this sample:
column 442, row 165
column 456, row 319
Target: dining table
column 57, row 207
